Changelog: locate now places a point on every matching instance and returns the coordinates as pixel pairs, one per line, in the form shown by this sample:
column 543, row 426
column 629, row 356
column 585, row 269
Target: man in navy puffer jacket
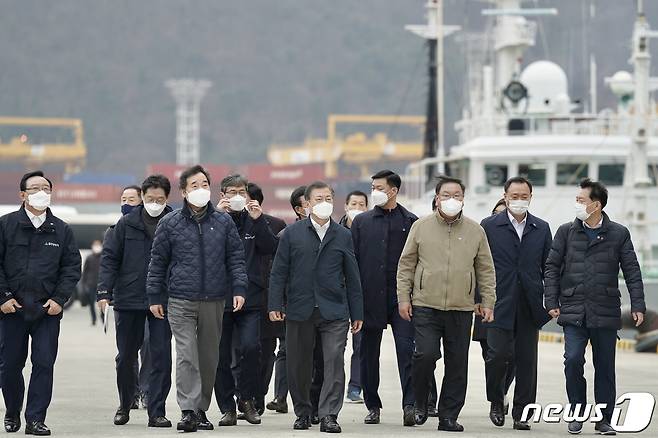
column 197, row 258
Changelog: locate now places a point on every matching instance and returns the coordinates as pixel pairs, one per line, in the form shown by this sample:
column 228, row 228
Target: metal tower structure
column 188, row 94
column 435, row 31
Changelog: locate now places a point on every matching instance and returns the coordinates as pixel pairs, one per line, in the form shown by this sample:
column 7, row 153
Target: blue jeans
column 604, row 342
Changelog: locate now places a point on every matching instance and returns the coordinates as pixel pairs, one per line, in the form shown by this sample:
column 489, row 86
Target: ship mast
column 434, row 32
column 638, row 163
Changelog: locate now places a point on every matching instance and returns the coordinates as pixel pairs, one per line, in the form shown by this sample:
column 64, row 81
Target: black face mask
column 127, row 208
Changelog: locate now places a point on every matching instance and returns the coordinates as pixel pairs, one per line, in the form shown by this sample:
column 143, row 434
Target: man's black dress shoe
column 121, row 417
column 420, row 414
column 408, row 417
column 37, row 428
column 249, row 410
column 372, row 417
column 229, row 419
column 497, row 414
column 202, row 422
column 432, row 412
column 159, row 422
column 187, row 422
column 330, row 424
column 315, row 419
column 450, row 425
column 12, row 424
column 280, row 406
column 521, row 425
column 302, row 423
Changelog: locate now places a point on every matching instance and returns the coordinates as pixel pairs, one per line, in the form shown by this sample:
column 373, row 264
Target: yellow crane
column 356, row 148
column 20, row 147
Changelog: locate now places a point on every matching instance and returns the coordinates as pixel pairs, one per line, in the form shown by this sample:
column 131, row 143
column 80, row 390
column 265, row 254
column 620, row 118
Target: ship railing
column 572, row 124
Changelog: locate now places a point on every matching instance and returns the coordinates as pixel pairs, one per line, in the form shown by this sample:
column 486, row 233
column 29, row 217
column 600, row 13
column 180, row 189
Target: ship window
column 571, row 173
column 611, row 174
column 653, row 173
column 535, row 173
column 495, row 174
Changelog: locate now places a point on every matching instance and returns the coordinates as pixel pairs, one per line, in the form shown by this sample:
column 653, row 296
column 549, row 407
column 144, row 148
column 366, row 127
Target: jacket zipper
column 203, row 261
column 445, row 305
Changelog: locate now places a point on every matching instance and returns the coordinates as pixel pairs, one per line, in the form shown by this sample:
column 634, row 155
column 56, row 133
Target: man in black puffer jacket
column 122, row 280
column 197, row 259
column 582, row 291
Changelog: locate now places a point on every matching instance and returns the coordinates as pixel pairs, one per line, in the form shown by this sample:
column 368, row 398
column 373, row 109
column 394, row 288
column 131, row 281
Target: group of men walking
column 229, row 283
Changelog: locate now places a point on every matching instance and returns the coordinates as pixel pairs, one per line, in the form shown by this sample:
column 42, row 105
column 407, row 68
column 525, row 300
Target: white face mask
column 199, row 197
column 237, row 202
column 353, row 213
column 39, row 200
column 581, row 211
column 378, row 198
column 96, row 249
column 323, row 210
column 154, row 209
column 451, row 207
column 518, row 206
column 307, row 211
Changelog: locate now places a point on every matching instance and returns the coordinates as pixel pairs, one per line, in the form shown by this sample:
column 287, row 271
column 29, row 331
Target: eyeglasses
column 35, row 189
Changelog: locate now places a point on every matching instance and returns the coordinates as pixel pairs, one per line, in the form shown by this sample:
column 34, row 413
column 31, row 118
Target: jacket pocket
column 613, row 292
column 568, row 292
column 127, row 279
column 470, row 283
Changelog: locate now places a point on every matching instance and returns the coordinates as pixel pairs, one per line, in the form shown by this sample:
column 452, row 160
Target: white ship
column 521, row 120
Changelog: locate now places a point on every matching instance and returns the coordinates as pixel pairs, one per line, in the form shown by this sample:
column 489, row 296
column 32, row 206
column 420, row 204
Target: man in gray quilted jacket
column 197, row 260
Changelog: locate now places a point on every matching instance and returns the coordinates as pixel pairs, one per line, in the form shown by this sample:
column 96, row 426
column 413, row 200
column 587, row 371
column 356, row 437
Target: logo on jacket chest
column 54, row 244
column 249, row 236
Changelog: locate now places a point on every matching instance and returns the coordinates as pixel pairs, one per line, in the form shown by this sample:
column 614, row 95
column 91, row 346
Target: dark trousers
column 15, row 336
column 355, row 363
column 271, row 364
column 403, row 335
column 604, row 342
column 246, row 324
column 511, row 368
column 130, row 336
column 519, row 347
column 91, row 297
column 318, row 374
column 300, row 343
column 453, row 328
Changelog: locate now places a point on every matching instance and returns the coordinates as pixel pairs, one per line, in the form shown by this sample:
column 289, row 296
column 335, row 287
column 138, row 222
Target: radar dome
column 622, row 84
column 546, row 82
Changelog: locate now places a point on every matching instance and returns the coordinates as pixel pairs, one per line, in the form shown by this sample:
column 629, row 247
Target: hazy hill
column 278, row 66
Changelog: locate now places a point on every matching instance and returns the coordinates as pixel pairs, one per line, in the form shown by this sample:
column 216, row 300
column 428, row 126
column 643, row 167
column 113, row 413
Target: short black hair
column 255, row 192
column 316, row 185
column 235, row 180
column 23, row 184
column 134, row 187
column 157, row 182
column 500, row 202
column 443, row 179
column 295, row 195
column 191, row 171
column 598, row 191
column 517, row 180
column 356, row 193
column 392, row 178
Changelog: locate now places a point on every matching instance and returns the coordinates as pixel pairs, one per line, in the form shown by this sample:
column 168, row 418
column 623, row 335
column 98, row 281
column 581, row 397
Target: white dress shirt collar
column 37, row 221
column 518, row 226
column 320, row 229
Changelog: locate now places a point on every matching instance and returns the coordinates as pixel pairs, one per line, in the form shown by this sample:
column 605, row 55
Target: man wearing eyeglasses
column 39, row 269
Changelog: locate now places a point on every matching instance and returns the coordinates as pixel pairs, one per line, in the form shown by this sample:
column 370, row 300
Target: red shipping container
column 266, row 174
column 64, row 192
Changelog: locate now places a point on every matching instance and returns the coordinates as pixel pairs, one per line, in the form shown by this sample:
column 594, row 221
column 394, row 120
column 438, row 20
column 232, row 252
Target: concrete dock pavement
column 85, row 396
